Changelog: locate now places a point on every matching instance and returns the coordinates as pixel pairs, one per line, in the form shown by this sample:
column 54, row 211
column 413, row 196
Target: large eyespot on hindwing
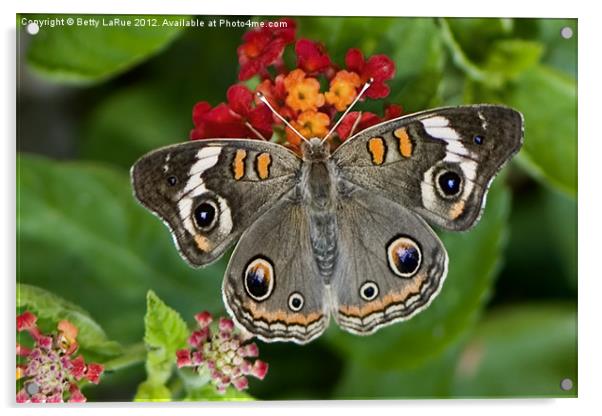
column 259, row 278
column 205, row 213
column 449, row 182
column 404, row 256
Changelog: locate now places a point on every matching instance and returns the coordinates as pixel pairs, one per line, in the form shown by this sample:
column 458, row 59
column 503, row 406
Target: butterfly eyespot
column 259, row 279
column 479, row 139
column 172, row 180
column 404, row 256
column 296, row 301
column 369, row 291
column 205, row 215
column 449, row 183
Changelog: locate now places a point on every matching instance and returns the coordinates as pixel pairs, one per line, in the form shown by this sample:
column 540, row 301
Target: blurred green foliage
column 85, row 54
column 505, row 321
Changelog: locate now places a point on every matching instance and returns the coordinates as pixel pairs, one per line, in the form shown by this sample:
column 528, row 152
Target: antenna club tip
column 370, row 81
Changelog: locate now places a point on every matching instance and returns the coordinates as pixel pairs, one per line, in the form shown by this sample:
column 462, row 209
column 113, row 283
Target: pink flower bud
column 76, row 395
column 245, row 367
column 26, row 321
column 94, row 372
column 203, row 319
column 23, row 351
column 260, row 369
column 44, row 342
column 249, row 350
column 226, row 325
column 240, row 383
column 197, row 358
column 183, row 358
column 198, row 337
column 55, row 398
column 77, row 367
column 22, row 396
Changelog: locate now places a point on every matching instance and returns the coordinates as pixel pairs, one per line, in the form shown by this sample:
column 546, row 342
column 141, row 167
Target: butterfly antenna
column 265, row 101
column 362, row 91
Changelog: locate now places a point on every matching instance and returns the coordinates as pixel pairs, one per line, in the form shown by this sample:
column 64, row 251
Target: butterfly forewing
column 438, row 163
column 209, row 191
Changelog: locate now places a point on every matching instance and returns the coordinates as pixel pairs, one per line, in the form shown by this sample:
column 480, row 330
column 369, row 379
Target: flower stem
column 132, row 354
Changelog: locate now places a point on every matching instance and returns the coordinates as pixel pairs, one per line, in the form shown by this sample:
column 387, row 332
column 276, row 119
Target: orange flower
column 310, row 124
column 343, row 89
column 303, row 93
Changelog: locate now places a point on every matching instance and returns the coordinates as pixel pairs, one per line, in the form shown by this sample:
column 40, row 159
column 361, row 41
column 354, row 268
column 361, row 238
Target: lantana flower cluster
column 49, row 372
column 223, row 354
column 296, row 94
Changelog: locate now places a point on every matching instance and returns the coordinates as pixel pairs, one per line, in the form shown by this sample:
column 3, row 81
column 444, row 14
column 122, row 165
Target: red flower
column 237, row 119
column 275, row 92
column 295, row 94
column 393, row 111
column 312, row 56
column 379, row 67
column 26, row 321
column 263, row 47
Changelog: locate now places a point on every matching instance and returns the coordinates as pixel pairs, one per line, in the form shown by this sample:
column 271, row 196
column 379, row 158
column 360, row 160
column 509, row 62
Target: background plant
column 90, row 102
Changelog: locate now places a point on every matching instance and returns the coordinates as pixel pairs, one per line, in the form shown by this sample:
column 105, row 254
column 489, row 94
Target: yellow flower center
column 303, row 93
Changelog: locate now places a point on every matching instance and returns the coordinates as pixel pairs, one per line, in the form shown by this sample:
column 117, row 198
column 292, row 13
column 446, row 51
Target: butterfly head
column 315, row 149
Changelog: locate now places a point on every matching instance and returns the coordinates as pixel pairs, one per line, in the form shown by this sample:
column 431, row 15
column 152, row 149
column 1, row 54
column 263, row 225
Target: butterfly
column 340, row 234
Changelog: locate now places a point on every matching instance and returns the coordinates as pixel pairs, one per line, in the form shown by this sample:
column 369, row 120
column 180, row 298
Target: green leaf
column 542, row 245
column 474, row 36
column 159, row 105
column 165, row 330
column 432, row 379
column 564, row 232
column 46, row 305
column 509, row 58
column 521, row 351
column 474, row 259
column 79, row 54
column 499, row 61
column 165, row 333
column 151, row 123
column 548, row 101
column 93, row 244
column 560, row 53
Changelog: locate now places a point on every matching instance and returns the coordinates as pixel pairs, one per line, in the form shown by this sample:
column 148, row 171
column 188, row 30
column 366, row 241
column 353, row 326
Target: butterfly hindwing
column 272, row 286
column 390, row 266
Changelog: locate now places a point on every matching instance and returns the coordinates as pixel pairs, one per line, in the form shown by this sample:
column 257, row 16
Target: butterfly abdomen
column 323, row 234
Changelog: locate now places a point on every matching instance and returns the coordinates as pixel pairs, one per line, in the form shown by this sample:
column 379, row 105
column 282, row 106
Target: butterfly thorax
column 315, row 150
column 317, row 176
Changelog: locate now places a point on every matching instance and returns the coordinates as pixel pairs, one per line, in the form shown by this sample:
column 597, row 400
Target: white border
column 590, row 207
